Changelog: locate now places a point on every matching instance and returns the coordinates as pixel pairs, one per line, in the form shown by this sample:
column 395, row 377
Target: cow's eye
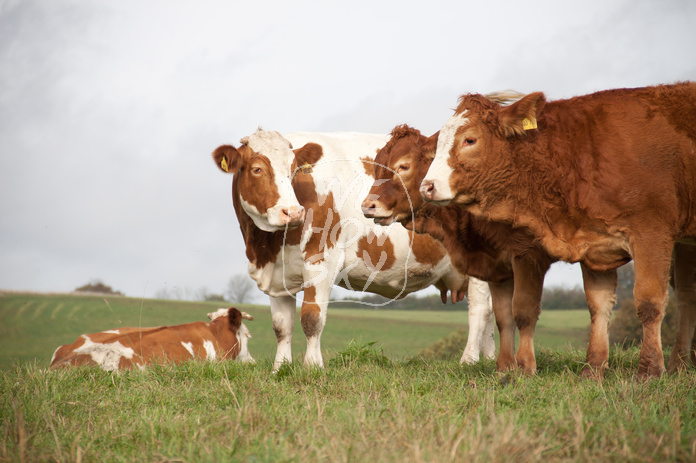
column 469, row 141
column 403, row 168
column 256, row 170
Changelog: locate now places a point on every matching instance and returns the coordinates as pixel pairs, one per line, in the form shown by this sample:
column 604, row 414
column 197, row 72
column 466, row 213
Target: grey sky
column 109, row 110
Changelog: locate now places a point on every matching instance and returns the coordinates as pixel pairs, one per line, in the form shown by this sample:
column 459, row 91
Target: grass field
column 370, row 403
column 32, row 326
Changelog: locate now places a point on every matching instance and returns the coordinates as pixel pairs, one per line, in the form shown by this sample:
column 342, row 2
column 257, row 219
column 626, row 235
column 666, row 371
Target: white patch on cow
column 107, row 355
column 277, row 150
column 440, row 171
column 243, row 336
column 112, row 332
column 481, row 323
column 189, row 347
column 209, row 350
column 221, row 312
column 54, row 355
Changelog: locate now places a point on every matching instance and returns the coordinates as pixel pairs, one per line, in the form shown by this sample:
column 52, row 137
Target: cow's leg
column 283, row 316
column 526, row 307
column 313, row 318
column 652, row 263
column 600, row 292
column 685, row 289
column 480, row 318
column 501, row 297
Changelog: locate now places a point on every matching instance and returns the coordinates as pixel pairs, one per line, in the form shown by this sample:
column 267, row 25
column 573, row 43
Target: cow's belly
column 599, row 252
column 398, row 280
column 283, row 276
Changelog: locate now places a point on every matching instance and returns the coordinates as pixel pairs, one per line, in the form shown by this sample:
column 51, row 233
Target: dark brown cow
column 225, row 337
column 600, row 179
column 511, row 260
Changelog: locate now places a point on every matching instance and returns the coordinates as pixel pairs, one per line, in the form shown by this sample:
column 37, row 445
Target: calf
column 510, row 259
column 600, row 179
column 297, row 200
column 224, row 337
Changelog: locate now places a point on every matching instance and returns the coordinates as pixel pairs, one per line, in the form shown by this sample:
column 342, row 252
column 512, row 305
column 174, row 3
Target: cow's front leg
column 283, row 316
column 526, row 307
column 313, row 318
column 600, row 292
column 501, row 296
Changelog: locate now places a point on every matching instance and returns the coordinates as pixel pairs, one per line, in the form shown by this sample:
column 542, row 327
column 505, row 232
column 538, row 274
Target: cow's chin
column 392, row 218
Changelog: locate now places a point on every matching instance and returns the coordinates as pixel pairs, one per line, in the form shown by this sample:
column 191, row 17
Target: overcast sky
column 109, row 110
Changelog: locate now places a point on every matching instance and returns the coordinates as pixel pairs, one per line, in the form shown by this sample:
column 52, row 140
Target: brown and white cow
column 299, row 213
column 224, row 337
column 510, row 259
column 600, row 179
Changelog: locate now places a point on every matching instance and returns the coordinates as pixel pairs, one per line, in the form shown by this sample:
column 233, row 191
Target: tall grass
column 362, row 407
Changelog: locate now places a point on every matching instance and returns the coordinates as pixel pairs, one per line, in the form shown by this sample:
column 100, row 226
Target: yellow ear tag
column 224, row 166
column 306, row 168
column 529, row 124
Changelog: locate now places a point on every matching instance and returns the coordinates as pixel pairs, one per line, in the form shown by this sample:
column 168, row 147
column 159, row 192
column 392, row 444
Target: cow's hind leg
column 526, row 307
column 283, row 316
column 600, row 292
column 480, row 339
column 501, row 296
column 652, row 263
column 685, row 289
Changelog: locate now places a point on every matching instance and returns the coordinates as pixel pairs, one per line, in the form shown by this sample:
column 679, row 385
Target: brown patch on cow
column 309, row 154
column 310, row 312
column 426, row 250
column 369, row 166
column 377, row 253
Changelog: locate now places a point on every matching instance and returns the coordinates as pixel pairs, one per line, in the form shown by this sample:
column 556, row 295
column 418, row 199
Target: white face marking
column 107, row 356
column 243, row 336
column 209, row 350
column 440, row 172
column 277, row 150
column 189, row 347
column 112, row 332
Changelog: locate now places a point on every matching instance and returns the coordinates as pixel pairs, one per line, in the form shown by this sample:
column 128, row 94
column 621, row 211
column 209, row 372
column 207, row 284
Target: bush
column 96, row 286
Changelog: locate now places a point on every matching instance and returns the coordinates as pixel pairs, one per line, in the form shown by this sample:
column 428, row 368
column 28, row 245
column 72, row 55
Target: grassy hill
column 32, row 326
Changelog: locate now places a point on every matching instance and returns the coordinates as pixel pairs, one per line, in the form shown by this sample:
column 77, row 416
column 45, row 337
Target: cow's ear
column 307, row 156
column 430, row 146
column 227, row 158
column 235, row 317
column 521, row 115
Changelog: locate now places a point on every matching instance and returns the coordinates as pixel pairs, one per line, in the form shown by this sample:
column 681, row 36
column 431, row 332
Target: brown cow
column 492, row 251
column 224, row 337
column 600, row 179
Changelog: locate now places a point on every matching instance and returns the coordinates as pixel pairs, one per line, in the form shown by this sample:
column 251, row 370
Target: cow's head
column 474, row 149
column 400, row 166
column 263, row 168
column 233, row 317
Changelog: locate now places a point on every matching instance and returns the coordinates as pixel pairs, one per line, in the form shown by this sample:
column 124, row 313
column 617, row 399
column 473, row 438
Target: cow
column 224, row 337
column 600, row 179
column 509, row 259
column 297, row 200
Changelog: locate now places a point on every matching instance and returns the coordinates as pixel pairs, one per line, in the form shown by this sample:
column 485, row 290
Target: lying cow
column 509, row 259
column 224, row 337
column 299, row 214
column 600, row 179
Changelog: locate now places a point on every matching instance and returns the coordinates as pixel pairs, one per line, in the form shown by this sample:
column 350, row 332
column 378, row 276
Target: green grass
column 375, row 400
column 361, row 407
column 32, row 326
